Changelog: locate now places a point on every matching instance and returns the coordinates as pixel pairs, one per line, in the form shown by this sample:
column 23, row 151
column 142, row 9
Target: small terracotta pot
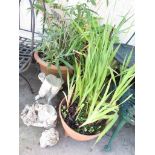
column 52, row 69
column 70, row 132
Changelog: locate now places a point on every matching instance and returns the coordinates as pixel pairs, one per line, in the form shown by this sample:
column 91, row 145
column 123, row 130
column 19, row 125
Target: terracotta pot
column 70, row 132
column 52, row 69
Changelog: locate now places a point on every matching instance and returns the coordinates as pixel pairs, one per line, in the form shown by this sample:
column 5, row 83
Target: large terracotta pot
column 52, row 69
column 70, row 132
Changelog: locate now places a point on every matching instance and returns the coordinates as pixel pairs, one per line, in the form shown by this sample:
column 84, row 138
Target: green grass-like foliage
column 61, row 40
column 94, row 72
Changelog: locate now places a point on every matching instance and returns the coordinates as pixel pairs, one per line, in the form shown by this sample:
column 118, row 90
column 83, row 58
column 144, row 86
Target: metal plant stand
column 25, row 57
column 127, row 109
column 26, row 46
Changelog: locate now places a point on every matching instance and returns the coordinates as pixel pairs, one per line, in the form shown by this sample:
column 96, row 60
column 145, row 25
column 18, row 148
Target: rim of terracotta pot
column 43, row 63
column 72, row 133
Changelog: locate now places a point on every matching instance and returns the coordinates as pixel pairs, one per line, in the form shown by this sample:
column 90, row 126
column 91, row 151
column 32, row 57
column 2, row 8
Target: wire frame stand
column 26, row 46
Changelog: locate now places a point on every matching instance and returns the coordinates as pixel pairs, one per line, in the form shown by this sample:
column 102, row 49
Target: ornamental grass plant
column 91, row 105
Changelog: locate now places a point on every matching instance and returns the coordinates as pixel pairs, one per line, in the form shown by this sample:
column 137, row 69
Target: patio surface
column 124, row 144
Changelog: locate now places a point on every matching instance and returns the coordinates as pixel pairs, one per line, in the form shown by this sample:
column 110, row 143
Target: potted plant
column 56, row 51
column 54, row 54
column 90, row 108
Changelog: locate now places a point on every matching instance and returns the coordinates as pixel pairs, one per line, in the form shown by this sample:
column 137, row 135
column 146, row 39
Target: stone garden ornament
column 39, row 115
column 44, row 115
column 50, row 86
column 49, row 138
